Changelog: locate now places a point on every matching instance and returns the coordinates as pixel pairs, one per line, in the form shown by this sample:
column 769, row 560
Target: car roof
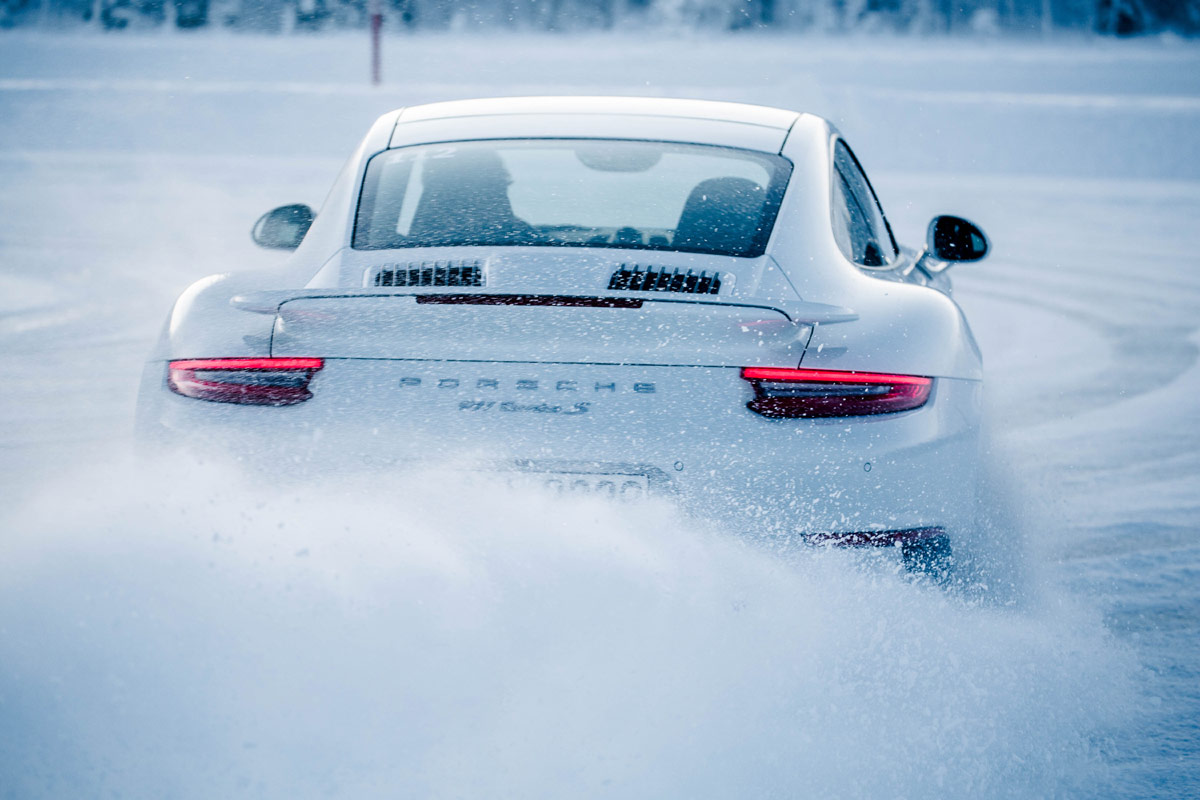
column 630, row 106
column 667, row 119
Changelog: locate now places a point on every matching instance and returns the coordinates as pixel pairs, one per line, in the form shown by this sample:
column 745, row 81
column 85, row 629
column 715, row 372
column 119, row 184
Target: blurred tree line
column 1106, row 17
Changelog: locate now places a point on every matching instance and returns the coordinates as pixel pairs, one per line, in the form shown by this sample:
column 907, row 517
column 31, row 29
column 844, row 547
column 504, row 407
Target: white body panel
column 530, row 386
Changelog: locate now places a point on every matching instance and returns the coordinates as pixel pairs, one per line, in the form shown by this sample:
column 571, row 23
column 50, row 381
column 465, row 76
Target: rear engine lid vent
column 430, row 273
column 636, row 279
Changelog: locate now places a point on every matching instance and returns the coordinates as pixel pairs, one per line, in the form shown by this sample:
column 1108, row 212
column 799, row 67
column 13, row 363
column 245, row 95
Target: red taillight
column 788, row 393
column 248, row 381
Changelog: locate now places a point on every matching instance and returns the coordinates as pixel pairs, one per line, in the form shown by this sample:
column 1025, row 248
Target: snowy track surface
column 179, row 634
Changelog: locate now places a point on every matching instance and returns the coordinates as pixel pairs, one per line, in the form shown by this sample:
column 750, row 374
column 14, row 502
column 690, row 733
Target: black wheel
column 932, row 557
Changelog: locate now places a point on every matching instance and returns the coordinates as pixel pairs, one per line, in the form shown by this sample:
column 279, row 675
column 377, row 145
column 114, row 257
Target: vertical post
column 376, row 11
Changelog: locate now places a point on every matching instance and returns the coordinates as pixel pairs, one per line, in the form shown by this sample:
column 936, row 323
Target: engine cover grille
column 430, row 273
column 650, row 279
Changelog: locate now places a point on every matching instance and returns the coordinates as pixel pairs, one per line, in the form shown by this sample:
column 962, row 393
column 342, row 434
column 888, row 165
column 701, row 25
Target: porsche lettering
column 529, row 385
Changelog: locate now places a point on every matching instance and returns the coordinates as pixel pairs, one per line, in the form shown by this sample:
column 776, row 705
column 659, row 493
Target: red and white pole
column 376, row 12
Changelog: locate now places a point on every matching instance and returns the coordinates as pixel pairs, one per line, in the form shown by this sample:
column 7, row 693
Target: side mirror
column 951, row 240
column 283, row 228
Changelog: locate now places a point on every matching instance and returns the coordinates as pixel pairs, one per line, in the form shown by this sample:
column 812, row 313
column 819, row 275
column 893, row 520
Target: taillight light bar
column 245, row 381
column 789, row 393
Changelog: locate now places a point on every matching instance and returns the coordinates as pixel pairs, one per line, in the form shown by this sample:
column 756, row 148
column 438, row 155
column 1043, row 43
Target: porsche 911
column 619, row 297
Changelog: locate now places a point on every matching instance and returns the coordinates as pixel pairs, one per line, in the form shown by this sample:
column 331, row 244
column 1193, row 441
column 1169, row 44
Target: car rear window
column 572, row 193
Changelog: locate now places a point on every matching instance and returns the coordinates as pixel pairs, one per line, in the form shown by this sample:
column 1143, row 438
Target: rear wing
column 799, row 312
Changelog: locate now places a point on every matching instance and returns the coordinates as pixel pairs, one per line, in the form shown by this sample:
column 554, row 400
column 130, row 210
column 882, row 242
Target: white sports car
column 603, row 295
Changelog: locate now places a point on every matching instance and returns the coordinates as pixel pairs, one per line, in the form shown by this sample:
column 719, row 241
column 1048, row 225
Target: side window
column 859, row 226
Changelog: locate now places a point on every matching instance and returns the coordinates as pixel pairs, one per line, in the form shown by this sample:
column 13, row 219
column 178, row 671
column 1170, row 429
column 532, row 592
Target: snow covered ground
column 182, row 631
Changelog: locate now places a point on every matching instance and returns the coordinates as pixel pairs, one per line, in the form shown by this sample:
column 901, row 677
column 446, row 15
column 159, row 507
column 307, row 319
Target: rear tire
column 932, row 557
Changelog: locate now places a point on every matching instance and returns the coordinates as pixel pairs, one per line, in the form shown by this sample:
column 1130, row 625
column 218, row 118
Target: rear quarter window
column 859, row 225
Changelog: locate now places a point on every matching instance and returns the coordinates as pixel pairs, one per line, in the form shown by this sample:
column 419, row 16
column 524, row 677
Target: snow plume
column 182, row 632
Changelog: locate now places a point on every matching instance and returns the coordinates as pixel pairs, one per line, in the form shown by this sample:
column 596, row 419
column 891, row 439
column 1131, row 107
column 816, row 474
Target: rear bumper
column 691, row 437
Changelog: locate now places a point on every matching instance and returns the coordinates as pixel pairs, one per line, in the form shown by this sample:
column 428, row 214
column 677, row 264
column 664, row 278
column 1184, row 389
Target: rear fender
column 901, row 328
column 202, row 323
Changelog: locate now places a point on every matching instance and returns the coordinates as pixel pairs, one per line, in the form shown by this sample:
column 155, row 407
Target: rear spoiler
column 798, row 311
